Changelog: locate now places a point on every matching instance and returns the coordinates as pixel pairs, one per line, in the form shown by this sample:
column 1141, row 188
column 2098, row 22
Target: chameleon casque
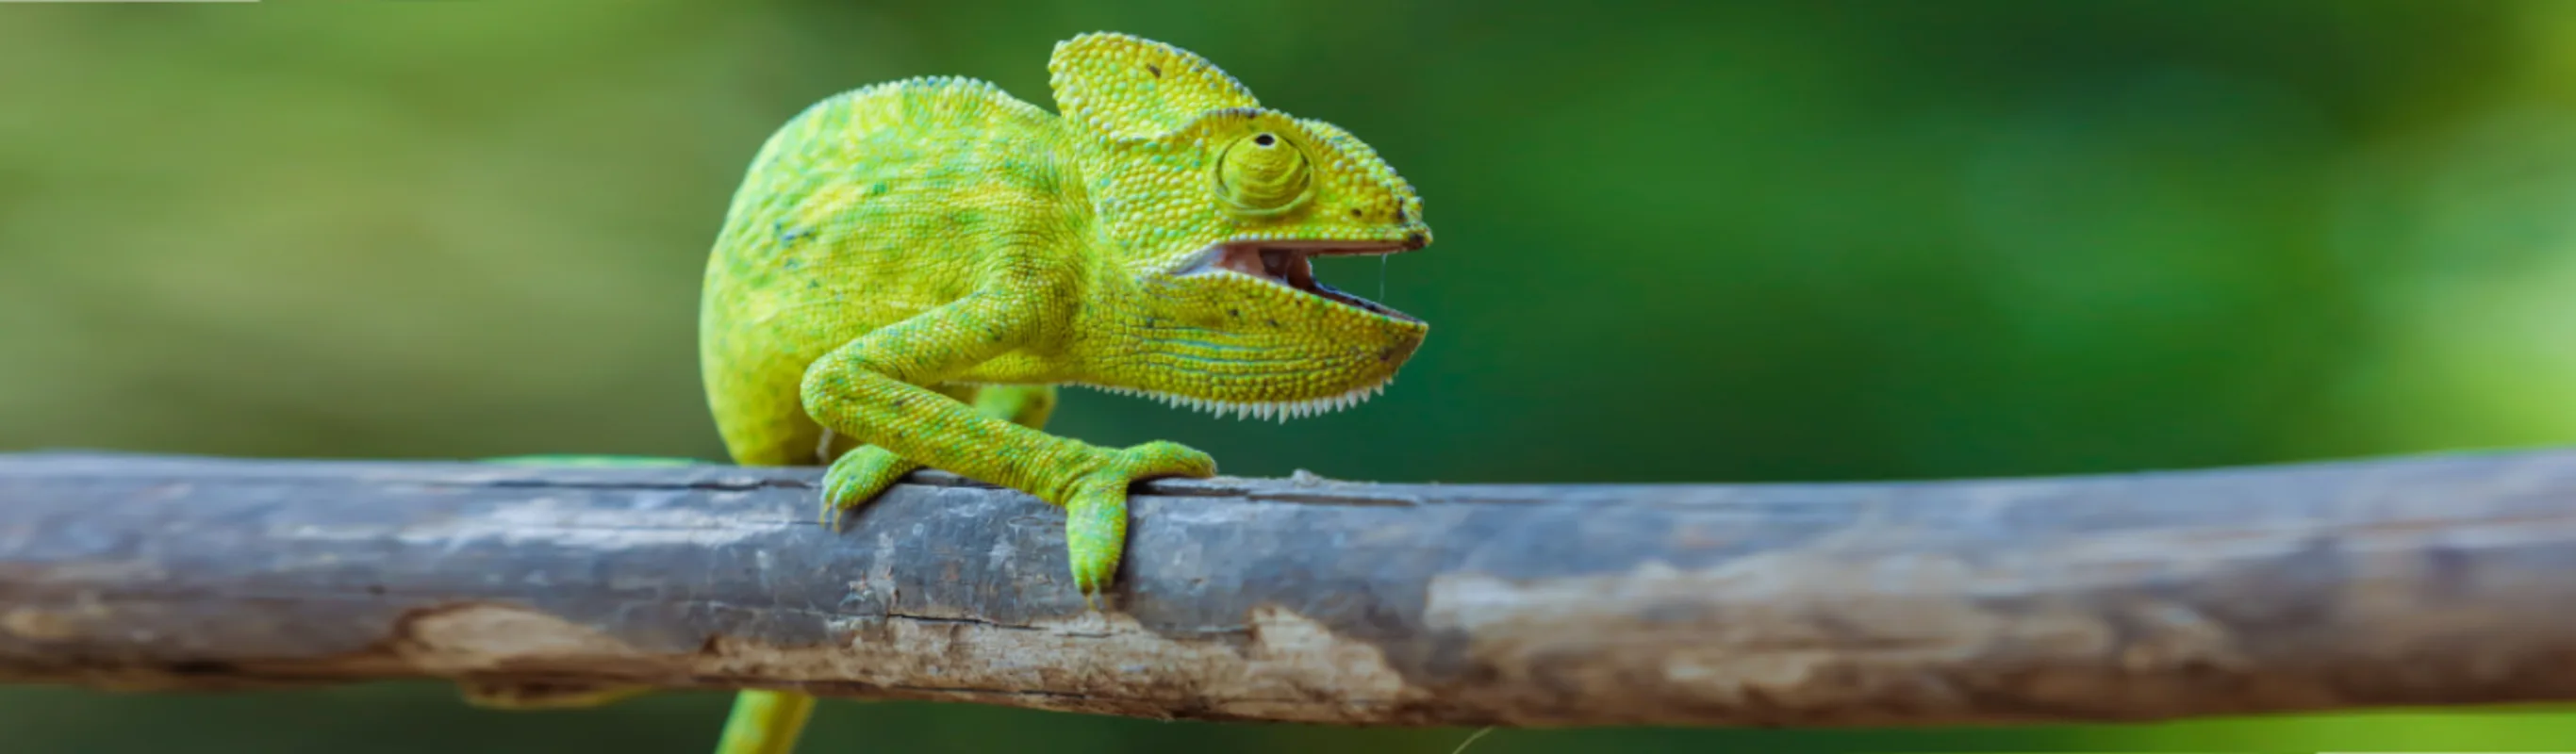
column 910, row 269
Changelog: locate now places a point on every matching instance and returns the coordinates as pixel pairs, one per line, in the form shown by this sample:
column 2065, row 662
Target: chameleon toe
column 1095, row 532
column 856, row 478
column 1163, row 458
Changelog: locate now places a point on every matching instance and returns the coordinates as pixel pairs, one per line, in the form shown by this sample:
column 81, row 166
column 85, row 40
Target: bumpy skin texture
column 912, row 266
column 910, row 269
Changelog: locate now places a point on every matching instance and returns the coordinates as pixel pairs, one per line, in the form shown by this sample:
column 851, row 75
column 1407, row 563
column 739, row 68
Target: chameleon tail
column 765, row 722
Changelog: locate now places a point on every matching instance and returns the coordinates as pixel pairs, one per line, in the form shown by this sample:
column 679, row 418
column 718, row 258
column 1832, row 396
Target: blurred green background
column 1723, row 241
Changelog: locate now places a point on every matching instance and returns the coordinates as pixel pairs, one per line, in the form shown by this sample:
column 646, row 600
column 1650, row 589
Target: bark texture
column 2417, row 581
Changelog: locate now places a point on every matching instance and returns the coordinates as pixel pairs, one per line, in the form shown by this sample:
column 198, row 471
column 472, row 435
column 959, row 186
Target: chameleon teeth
column 1281, row 411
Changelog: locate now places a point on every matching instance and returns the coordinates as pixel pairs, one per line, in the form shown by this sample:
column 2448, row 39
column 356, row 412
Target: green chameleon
column 909, row 269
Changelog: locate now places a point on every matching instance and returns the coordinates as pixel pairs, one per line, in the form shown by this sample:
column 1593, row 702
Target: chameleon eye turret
column 1264, row 174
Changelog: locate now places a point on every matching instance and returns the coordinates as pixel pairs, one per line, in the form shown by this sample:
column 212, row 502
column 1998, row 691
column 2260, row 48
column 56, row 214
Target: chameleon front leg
column 854, row 481
column 871, row 389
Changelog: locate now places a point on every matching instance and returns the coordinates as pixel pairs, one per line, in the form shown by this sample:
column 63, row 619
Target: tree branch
column 2423, row 581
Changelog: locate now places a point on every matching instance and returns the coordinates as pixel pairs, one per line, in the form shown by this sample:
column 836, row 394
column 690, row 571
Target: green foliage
column 1713, row 241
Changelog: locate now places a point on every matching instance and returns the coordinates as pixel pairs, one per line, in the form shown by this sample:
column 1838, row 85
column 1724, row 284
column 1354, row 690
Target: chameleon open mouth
column 1290, row 264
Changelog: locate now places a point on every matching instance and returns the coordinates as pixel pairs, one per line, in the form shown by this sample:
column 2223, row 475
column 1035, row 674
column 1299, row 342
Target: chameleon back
column 869, row 207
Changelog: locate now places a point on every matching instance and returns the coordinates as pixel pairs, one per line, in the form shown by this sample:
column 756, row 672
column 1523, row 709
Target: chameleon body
column 910, row 269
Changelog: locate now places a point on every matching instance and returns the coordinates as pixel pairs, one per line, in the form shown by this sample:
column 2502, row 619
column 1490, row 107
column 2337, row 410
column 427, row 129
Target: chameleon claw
column 856, row 478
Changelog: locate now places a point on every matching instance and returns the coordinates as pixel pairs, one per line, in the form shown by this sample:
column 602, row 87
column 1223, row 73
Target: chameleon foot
column 1095, row 521
column 858, row 477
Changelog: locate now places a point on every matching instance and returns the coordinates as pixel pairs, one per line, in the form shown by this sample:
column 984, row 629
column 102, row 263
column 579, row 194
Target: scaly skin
column 909, row 269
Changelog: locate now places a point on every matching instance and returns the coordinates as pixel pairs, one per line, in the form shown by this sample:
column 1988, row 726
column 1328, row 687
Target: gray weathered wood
column 2420, row 581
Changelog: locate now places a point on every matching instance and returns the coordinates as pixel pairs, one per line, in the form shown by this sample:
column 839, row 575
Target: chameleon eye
column 1263, row 174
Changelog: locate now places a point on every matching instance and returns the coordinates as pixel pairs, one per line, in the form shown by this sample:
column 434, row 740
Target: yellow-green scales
column 910, row 269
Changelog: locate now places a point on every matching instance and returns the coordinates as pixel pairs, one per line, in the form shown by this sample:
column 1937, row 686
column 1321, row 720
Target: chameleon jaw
column 1279, row 410
column 1289, row 264
column 1340, row 343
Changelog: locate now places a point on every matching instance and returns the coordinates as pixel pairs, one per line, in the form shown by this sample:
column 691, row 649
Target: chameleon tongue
column 1301, row 273
column 1289, row 266
column 1295, row 268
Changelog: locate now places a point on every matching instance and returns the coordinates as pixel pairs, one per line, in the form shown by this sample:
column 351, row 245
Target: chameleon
column 910, row 270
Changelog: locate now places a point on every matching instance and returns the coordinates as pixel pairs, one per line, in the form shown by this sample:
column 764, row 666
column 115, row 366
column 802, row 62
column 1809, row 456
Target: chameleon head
column 1211, row 209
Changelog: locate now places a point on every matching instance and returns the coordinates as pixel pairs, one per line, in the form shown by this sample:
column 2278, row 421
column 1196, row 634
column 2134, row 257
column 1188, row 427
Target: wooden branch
column 2424, row 581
